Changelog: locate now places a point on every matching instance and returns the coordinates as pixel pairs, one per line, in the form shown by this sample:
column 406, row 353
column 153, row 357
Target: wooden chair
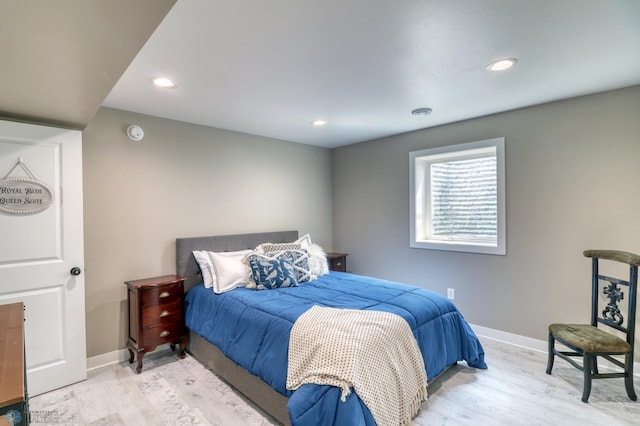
column 590, row 342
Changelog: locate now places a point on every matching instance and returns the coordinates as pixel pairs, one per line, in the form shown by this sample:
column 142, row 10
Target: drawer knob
column 164, row 333
column 164, row 314
column 164, row 294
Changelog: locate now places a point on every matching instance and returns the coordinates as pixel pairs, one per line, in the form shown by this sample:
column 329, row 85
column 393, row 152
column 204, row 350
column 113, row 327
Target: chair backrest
column 614, row 290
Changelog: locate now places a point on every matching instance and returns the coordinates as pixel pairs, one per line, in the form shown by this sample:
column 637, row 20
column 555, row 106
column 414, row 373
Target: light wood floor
column 514, row 390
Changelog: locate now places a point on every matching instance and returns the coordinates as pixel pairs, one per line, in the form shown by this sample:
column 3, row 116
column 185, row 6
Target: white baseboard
column 107, row 359
column 489, row 333
column 510, row 338
column 525, row 342
column 114, row 357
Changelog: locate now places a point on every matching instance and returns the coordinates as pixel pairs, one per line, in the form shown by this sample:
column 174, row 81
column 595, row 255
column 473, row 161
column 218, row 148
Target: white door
column 39, row 249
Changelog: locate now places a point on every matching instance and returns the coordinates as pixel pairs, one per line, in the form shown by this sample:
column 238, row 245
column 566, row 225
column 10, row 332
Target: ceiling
column 61, row 58
column 271, row 67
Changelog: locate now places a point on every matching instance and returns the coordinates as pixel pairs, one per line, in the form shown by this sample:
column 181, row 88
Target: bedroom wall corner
column 183, row 180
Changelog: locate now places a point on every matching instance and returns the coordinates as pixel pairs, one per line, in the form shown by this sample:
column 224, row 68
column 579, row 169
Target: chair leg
column 628, row 379
column 551, row 355
column 588, row 368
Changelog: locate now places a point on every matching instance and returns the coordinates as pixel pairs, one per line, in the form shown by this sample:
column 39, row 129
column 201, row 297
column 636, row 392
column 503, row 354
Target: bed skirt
column 250, row 386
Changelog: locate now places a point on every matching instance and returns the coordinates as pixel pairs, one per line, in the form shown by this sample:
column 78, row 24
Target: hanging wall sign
column 23, row 196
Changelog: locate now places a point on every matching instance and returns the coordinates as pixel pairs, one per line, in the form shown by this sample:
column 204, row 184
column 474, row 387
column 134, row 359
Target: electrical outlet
column 451, row 293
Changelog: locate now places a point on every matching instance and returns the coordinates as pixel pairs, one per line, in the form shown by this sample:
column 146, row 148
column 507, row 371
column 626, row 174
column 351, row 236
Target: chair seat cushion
column 589, row 338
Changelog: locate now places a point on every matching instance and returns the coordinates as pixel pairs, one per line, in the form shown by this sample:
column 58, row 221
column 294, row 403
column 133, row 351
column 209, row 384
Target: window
column 457, row 197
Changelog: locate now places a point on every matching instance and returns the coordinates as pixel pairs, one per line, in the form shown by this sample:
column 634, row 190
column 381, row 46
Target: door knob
column 76, row 271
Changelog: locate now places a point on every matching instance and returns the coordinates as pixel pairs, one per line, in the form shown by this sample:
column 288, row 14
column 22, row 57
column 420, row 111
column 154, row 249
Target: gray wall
column 183, row 180
column 572, row 178
column 572, row 172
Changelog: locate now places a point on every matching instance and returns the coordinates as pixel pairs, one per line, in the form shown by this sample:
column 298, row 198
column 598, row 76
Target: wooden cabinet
column 155, row 315
column 14, row 407
column 337, row 261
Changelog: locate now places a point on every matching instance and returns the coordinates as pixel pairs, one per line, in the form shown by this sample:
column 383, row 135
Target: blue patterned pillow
column 299, row 259
column 273, row 273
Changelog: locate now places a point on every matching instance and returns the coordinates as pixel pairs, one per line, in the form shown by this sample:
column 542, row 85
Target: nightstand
column 155, row 315
column 337, row 261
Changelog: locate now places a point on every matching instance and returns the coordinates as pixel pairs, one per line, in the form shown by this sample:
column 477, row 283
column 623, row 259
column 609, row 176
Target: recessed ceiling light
column 422, row 111
column 164, row 82
column 319, row 123
column 502, row 64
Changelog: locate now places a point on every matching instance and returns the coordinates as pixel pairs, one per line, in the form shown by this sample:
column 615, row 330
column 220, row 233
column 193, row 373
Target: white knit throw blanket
column 372, row 351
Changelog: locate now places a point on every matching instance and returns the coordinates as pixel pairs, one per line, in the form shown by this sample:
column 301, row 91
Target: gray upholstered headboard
column 186, row 265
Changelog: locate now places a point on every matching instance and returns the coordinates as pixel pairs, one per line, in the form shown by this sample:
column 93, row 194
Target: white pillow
column 304, row 241
column 318, row 264
column 223, row 271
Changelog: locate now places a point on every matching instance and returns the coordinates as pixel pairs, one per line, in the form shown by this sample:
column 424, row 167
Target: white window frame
column 420, row 194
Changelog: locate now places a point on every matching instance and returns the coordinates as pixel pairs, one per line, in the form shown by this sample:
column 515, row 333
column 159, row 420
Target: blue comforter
column 252, row 328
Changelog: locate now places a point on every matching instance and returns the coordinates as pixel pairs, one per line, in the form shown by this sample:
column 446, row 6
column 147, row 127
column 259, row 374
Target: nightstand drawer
column 163, row 313
column 150, row 296
column 337, row 261
column 159, row 334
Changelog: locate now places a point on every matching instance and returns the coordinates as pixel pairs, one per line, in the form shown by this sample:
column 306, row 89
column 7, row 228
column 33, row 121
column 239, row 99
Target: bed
column 243, row 335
